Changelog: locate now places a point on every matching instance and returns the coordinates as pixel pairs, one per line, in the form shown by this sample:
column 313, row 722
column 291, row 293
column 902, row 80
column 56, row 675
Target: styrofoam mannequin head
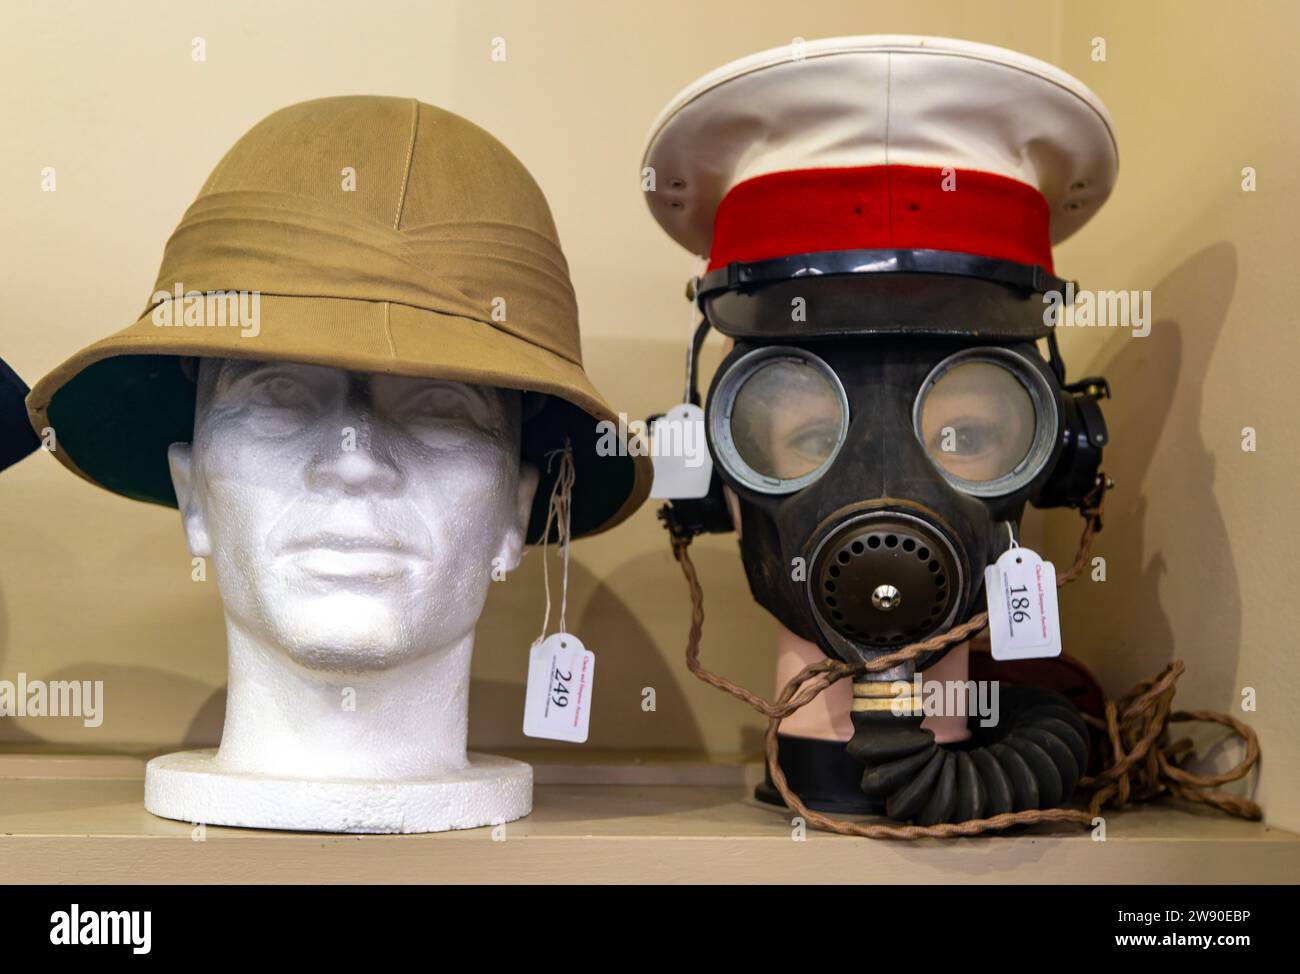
column 353, row 521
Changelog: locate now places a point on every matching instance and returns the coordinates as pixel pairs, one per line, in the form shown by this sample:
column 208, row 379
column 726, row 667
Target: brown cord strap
column 1138, row 766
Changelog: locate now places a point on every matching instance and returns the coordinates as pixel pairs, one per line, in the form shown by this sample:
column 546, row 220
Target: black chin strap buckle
column 679, row 529
column 685, row 518
column 1094, row 387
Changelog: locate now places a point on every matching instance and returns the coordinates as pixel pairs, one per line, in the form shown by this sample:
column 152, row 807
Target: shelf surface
column 82, row 819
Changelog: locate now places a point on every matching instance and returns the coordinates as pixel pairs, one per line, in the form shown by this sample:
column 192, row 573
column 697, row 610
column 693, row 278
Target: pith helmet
column 380, row 235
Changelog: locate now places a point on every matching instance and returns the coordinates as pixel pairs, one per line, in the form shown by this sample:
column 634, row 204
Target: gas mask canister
column 878, row 215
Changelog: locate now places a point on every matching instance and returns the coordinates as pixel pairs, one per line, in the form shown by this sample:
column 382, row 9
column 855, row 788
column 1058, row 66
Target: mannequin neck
column 401, row 722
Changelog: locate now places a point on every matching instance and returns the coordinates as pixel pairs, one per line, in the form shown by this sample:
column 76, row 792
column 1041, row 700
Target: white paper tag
column 680, row 454
column 561, row 672
column 1023, row 619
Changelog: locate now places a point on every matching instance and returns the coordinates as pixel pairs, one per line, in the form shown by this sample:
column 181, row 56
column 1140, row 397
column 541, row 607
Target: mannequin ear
column 180, row 458
column 512, row 545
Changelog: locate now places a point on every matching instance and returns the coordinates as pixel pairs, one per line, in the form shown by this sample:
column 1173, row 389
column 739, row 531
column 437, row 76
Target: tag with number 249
column 561, row 672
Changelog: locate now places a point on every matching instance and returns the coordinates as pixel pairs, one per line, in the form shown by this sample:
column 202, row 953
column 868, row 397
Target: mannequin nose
column 355, row 462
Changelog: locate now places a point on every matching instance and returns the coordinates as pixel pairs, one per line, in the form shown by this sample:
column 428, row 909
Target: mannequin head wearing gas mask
column 354, row 521
column 879, row 254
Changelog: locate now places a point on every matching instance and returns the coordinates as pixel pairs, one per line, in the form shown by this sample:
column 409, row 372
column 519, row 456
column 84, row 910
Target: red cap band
column 882, row 208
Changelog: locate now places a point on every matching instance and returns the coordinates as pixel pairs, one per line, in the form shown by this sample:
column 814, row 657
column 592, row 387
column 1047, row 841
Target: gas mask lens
column 977, row 421
column 987, row 419
column 778, row 417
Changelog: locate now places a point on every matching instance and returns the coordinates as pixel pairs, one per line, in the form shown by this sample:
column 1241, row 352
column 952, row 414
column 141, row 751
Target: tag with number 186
column 1021, row 591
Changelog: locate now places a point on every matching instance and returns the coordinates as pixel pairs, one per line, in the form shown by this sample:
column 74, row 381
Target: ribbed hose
column 1032, row 759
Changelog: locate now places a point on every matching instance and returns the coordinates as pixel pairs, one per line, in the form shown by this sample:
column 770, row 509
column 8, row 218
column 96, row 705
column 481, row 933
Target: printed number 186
column 1020, row 605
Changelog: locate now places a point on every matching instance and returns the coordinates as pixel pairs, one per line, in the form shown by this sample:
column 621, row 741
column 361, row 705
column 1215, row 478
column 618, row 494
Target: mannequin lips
column 359, row 557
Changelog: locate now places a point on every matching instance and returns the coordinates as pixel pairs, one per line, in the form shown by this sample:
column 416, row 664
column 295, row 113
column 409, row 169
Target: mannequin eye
column 283, row 390
column 777, row 418
column 280, row 403
column 969, row 437
column 987, row 419
column 814, row 442
column 439, row 404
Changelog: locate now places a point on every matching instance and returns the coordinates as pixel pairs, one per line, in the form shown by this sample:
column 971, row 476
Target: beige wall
column 1200, row 538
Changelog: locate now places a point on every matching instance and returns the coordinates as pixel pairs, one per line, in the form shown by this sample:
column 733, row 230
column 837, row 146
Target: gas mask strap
column 693, row 360
column 1054, row 357
column 1137, row 767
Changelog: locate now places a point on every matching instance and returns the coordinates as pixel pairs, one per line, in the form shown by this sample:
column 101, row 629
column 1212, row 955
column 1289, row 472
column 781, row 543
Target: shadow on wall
column 127, row 693
column 82, row 607
column 627, row 658
column 11, row 729
column 15, row 734
column 1171, row 589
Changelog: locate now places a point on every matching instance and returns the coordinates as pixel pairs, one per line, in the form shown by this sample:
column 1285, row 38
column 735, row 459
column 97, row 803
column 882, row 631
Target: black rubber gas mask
column 882, row 441
column 882, row 420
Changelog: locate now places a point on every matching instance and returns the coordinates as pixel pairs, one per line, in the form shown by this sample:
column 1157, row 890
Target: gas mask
column 879, row 472
column 891, row 402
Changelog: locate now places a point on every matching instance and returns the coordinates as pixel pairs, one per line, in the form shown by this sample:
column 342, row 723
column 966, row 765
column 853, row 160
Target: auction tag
column 680, row 453
column 1023, row 619
column 560, row 675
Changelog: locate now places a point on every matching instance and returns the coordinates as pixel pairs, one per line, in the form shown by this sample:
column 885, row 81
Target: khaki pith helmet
column 442, row 262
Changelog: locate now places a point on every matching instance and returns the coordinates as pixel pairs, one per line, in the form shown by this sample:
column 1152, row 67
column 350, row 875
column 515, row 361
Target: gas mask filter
column 878, row 217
